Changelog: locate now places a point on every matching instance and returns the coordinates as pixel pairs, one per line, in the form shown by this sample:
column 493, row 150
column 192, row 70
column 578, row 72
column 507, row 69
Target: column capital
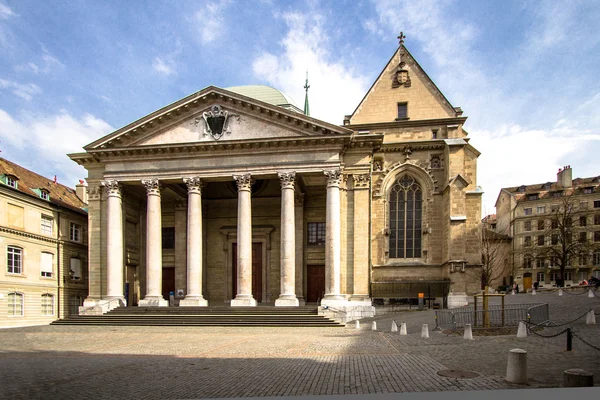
column 361, row 181
column 94, row 191
column 333, row 177
column 112, row 187
column 152, row 186
column 287, row 179
column 194, row 184
column 244, row 182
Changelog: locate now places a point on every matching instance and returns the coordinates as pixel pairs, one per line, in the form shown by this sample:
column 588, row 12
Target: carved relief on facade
column 401, row 77
column 216, row 122
column 435, row 161
column 94, row 192
column 361, row 181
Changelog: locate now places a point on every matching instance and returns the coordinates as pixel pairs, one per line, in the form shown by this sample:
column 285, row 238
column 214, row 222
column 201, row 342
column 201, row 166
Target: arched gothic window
column 406, row 213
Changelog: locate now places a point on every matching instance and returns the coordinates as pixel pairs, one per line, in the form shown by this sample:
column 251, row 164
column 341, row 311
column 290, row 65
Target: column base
column 153, row 301
column 243, row 300
column 301, row 301
column 193, row 301
column 287, row 301
column 360, row 300
column 335, row 301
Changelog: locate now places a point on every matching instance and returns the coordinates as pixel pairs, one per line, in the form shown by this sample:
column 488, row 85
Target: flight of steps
column 206, row 316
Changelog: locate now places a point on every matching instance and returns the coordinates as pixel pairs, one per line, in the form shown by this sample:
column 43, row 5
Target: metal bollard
column 468, row 332
column 569, row 340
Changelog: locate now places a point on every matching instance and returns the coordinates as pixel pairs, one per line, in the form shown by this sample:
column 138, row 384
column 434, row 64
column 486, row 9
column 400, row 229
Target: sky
column 524, row 72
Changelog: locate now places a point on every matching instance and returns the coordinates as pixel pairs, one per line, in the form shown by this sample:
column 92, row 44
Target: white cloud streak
column 211, row 21
column 6, row 12
column 25, row 91
column 163, row 67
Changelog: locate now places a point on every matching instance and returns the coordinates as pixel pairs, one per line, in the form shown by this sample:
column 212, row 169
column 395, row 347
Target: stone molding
column 112, row 188
column 361, row 181
column 334, row 177
column 244, row 182
column 153, row 186
column 94, row 192
column 194, row 184
column 287, row 179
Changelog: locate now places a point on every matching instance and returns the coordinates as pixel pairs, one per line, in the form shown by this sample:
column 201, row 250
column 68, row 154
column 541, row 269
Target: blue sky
column 524, row 72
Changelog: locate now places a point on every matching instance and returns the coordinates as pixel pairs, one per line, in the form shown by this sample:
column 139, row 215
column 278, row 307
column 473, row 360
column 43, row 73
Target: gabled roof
column 29, row 181
column 203, row 99
column 545, row 190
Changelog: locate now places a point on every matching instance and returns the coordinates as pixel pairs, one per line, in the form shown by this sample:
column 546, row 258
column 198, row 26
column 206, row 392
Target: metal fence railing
column 406, row 293
column 497, row 316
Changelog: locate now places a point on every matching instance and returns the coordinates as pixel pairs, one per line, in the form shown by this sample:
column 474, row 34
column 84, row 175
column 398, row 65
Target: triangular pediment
column 216, row 115
column 403, row 81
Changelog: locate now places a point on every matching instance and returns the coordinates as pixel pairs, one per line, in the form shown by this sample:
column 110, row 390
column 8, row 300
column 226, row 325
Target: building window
column 532, row 196
column 540, row 240
column 46, row 264
column 583, row 205
column 539, row 262
column 587, row 190
column 168, row 238
column 556, row 195
column 596, row 203
column 568, row 276
column 47, row 224
column 527, row 261
column 11, row 181
column 541, row 225
column 47, row 304
column 405, row 218
column 521, row 189
column 527, row 226
column 434, row 133
column 596, row 258
column 527, row 241
column 540, row 277
column 527, row 211
column 597, row 219
column 554, row 239
column 553, row 276
column 597, row 236
column 75, row 270
column 582, row 259
column 402, row 110
column 596, row 274
column 553, row 261
column 582, row 237
column 316, row 233
column 554, row 224
column 582, row 221
column 44, row 195
column 541, row 209
column 14, row 260
column 75, row 232
column 15, row 304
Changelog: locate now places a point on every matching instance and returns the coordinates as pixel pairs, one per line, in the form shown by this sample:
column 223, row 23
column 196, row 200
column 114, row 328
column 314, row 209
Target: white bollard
column 522, row 330
column 403, row 329
column 374, row 326
column 591, row 318
column 533, row 292
column 357, row 325
column 560, row 293
column 516, row 370
column 468, row 332
column 394, row 326
column 590, row 294
column 425, row 331
column 513, row 292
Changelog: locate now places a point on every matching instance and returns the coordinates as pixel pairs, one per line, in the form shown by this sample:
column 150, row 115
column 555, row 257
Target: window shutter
column 76, row 268
column 46, row 263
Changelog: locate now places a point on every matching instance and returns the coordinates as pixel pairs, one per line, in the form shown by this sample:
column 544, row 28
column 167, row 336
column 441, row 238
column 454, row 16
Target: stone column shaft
column 153, row 246
column 244, row 243
column 114, row 242
column 332, row 239
column 287, row 295
column 361, row 239
column 194, row 245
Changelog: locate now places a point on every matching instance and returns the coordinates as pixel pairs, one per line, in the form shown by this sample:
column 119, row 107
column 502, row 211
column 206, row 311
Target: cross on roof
column 401, row 38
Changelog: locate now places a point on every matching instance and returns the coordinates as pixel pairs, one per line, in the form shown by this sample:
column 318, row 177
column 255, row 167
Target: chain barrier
column 574, row 294
column 595, row 294
column 555, row 325
column 584, row 341
column 529, row 330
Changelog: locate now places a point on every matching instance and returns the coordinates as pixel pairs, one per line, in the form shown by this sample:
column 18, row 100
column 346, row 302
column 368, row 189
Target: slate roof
column 60, row 195
column 545, row 190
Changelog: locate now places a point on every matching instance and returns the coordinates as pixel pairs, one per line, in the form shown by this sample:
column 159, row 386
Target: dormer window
column 556, row 195
column 402, row 111
column 11, row 181
column 546, row 186
column 533, row 196
column 44, row 194
column 588, row 190
column 521, row 189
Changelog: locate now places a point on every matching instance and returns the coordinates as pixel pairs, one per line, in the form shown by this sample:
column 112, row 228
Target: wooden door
column 526, row 281
column 256, row 270
column 315, row 283
column 132, row 285
column 168, row 282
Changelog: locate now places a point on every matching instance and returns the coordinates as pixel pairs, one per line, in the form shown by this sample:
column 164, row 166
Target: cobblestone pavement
column 186, row 362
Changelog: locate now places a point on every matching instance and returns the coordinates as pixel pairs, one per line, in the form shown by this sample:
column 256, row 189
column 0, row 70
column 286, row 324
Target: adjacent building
column 236, row 197
column 43, row 234
column 526, row 214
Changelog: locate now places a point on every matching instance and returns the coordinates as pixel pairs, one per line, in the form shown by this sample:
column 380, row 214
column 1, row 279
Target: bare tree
column 495, row 250
column 567, row 235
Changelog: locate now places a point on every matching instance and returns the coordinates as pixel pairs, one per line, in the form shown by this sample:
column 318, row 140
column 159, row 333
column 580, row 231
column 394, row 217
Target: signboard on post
column 421, row 300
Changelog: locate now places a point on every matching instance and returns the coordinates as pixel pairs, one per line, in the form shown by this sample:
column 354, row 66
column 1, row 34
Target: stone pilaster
column 287, row 296
column 194, row 245
column 114, row 242
column 333, row 241
column 299, row 242
column 153, row 246
column 360, row 290
column 244, row 243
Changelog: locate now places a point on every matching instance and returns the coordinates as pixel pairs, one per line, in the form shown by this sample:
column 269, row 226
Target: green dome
column 267, row 94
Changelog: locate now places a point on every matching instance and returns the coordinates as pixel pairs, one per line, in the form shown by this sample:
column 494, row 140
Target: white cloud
column 211, row 21
column 6, row 12
column 41, row 143
column 29, row 67
column 48, row 65
column 166, row 68
column 335, row 89
column 24, row 91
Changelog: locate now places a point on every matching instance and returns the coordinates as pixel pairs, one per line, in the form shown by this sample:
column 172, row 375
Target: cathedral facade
column 235, row 197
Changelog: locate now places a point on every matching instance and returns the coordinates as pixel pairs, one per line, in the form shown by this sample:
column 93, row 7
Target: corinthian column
column 194, row 296
column 332, row 241
column 114, row 243
column 153, row 247
column 244, row 243
column 287, row 263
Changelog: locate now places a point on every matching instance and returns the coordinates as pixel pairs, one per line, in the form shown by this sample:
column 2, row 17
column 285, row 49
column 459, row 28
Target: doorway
column 527, row 281
column 256, row 270
column 132, row 286
column 315, row 283
column 168, row 282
